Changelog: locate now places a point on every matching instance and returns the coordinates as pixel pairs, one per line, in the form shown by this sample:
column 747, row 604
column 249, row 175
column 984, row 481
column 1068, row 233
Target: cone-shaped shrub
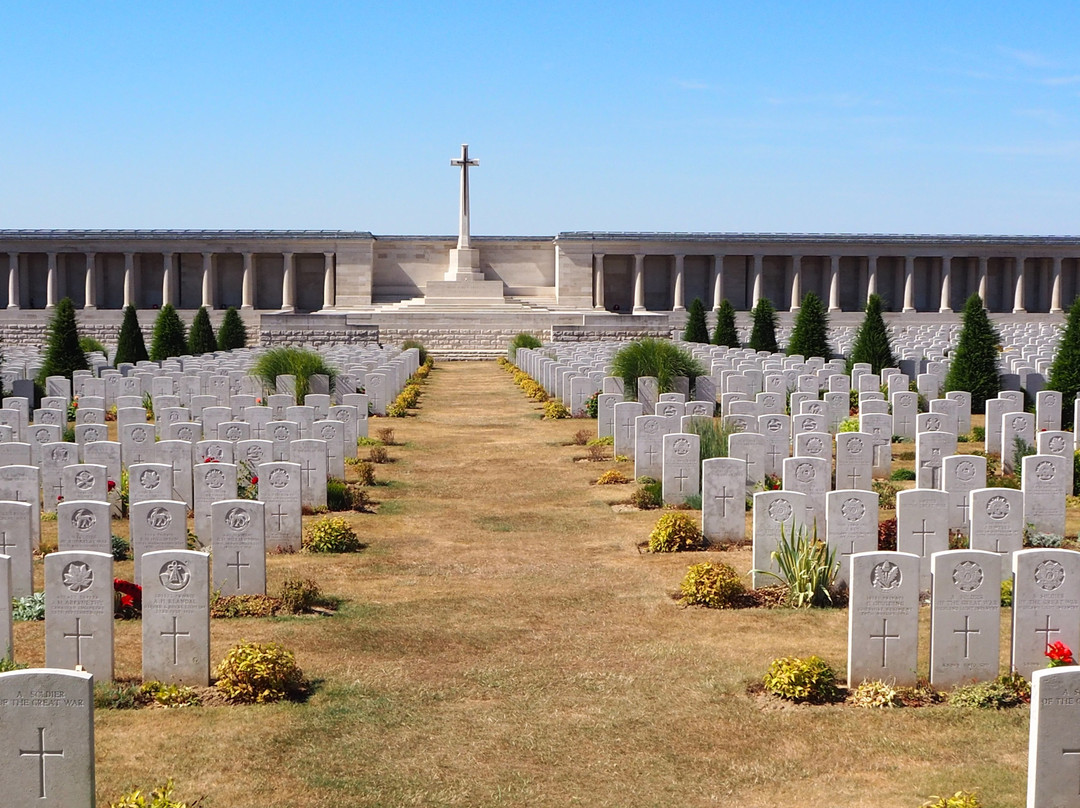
column 654, row 357
column 763, row 332
column 697, row 330
column 974, row 363
column 201, row 337
column 872, row 342
column 725, row 332
column 130, row 345
column 810, row 335
column 233, row 332
column 1065, row 372
column 63, row 355
column 169, row 337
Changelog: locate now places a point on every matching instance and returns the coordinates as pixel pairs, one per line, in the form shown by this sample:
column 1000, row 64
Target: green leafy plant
column 130, row 345
column 63, row 356
column 230, row 606
column 1006, row 593
column 658, row 358
column 725, row 332
column 715, row 586
column 555, row 409
column 259, row 673
column 1007, row 690
column 302, row 595
column 886, row 492
column 365, row 472
column 233, row 333
column 848, row 425
column 160, row 797
column 808, row 567
column 522, row 340
column 8, row 664
column 91, row 345
column 331, row 535
column 170, row 336
column 974, row 363
column 648, row 496
column 802, row 680
column 299, row 363
column 902, row 474
column 676, row 532
column 810, row 334
column 121, row 548
column 169, row 695
column 30, row 607
column 697, row 330
column 713, row 435
column 116, row 695
column 343, row 496
column 961, row 799
column 414, row 343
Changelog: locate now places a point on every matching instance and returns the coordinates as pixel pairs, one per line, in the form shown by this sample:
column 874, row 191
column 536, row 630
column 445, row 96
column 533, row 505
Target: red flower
column 127, row 601
column 60, row 498
column 112, row 484
column 211, row 460
column 128, row 592
column 254, row 479
column 1059, row 654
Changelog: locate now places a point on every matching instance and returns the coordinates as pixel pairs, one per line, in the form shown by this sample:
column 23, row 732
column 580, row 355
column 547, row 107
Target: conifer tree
column 697, row 330
column 170, row 338
column 130, row 345
column 1065, row 371
column 872, row 342
column 725, row 332
column 974, row 364
column 763, row 332
column 810, row 335
column 201, row 337
column 232, row 333
column 63, row 354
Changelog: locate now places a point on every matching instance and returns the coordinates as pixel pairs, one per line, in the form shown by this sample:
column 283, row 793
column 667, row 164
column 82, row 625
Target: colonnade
column 1021, row 282
column 137, row 265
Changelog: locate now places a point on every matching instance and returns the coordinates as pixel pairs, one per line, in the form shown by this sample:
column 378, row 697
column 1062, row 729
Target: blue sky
column 957, row 117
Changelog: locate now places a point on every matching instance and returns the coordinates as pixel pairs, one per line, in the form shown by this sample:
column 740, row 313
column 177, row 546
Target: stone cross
column 464, row 162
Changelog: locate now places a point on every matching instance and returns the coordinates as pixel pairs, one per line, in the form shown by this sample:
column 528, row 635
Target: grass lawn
column 503, row 642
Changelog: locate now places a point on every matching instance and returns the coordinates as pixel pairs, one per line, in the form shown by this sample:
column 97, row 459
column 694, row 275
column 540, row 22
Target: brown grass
column 504, row 643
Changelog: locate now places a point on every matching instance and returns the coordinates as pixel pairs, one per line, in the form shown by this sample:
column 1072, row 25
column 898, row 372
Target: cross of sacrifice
column 464, row 163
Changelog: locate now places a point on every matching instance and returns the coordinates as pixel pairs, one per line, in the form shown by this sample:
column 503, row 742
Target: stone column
column 168, row 263
column 328, row 298
column 757, row 274
column 945, row 306
column 288, row 284
column 91, row 282
column 1055, row 285
column 679, row 297
column 909, row 283
column 1018, row 285
column 1044, row 284
column 247, row 286
column 718, row 281
column 13, row 281
column 796, row 282
column 50, row 282
column 639, row 282
column 834, row 283
column 129, row 279
column 871, row 276
column 984, row 271
column 598, row 282
column 208, row 285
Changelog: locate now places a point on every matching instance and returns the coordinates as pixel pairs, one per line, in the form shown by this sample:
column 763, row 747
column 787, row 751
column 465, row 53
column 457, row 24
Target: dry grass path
column 504, row 643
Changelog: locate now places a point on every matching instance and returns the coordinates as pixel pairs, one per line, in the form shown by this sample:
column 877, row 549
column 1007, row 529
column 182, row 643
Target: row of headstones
column 176, row 584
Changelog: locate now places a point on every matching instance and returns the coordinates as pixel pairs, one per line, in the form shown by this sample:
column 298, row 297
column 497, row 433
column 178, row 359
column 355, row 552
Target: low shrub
column 978, row 433
column 522, row 340
column 649, row 496
column 886, row 492
column 365, row 472
column 592, row 405
column 886, row 534
column 555, row 409
column 386, row 435
column 715, row 586
column 413, row 343
column 848, row 425
column 259, row 673
column 1007, row 593
column 378, row 454
column 9, row 664
column 343, row 496
column 581, row 437
column 121, row 548
column 875, row 693
column 605, row 440
column 961, row 799
column 596, row 452
column 802, row 680
column 675, row 532
column 331, row 535
column 117, row 696
column 169, row 695
column 229, row 606
column 30, row 607
column 613, row 477
column 160, row 797
column 807, row 565
column 302, row 595
column 1007, row 690
column 902, row 474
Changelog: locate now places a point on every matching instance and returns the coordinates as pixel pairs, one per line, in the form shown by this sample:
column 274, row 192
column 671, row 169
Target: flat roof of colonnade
column 821, row 238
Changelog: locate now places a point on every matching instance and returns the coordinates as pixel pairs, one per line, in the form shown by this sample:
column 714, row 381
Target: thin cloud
column 1060, row 81
column 1028, row 58
column 1049, row 116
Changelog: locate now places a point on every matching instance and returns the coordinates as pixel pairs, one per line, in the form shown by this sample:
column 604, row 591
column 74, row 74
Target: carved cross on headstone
column 41, row 753
column 651, row 453
column 1066, row 753
column 724, row 496
column 78, row 636
column 884, row 636
column 963, row 505
column 967, row 631
column 853, row 476
column 5, row 544
column 307, row 470
column 922, row 534
column 176, row 635
column 237, row 565
column 277, row 512
column 1046, row 631
column 682, row 477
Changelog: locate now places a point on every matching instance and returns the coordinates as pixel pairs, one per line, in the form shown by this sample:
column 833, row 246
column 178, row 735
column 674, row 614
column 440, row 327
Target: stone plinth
column 464, row 292
column 464, row 265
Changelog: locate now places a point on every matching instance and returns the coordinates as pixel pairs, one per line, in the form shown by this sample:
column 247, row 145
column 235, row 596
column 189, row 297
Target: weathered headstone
column 213, row 482
column 681, row 468
column 84, row 525
column 1054, row 739
column 279, row 489
column 239, row 547
column 723, row 499
column 1046, row 605
column 79, row 612
column 922, row 526
column 965, row 619
column 774, row 511
column 883, row 618
column 156, row 525
column 1044, row 483
column 16, row 542
column 176, row 618
column 851, row 525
